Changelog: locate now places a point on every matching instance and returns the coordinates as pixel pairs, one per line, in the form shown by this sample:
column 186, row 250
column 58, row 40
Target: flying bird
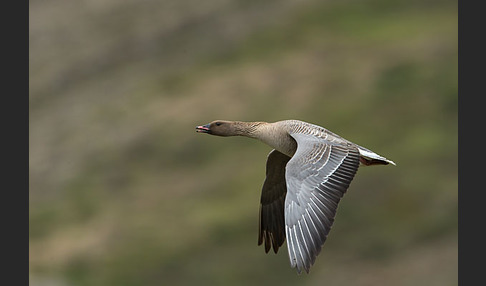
column 307, row 173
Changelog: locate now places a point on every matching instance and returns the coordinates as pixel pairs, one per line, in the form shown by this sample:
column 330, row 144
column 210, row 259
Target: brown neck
column 248, row 129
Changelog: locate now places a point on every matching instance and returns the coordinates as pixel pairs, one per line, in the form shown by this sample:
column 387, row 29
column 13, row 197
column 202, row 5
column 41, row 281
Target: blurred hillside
column 123, row 191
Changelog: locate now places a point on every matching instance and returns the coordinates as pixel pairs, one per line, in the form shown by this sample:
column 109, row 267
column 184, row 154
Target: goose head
column 220, row 128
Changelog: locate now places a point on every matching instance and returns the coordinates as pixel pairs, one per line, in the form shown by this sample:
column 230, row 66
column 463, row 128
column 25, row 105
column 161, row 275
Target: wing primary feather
column 291, row 248
column 300, row 257
column 321, row 218
column 326, row 212
column 306, row 247
column 315, row 231
column 313, row 250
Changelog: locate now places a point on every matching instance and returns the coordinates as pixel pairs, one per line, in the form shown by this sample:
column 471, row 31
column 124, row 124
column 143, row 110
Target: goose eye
column 218, row 123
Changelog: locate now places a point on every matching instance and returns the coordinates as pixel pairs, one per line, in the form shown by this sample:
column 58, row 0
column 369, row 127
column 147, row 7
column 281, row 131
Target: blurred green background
column 123, row 191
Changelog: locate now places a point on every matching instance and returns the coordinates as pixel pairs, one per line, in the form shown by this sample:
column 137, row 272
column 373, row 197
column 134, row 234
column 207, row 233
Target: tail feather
column 369, row 158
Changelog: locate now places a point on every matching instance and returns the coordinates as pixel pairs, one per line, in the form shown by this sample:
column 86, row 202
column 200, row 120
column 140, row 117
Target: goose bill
column 202, row 129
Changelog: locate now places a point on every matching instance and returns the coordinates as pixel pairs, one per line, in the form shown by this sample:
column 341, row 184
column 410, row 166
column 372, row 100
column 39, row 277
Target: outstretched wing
column 317, row 176
column 271, row 220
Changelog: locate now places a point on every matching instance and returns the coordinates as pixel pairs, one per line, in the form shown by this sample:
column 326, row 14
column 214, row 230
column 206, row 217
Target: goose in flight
column 307, row 172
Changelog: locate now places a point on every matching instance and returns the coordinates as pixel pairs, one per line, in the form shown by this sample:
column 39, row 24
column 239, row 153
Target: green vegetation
column 123, row 191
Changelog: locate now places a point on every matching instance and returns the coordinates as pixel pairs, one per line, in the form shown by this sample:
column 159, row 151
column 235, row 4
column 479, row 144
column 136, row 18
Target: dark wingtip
column 275, row 248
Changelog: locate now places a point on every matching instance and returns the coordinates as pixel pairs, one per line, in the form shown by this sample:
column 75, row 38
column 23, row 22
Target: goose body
column 307, row 173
